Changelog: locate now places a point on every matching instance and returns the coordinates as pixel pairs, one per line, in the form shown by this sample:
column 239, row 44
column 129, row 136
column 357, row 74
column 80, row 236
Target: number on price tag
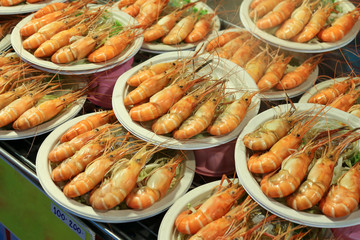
column 69, row 221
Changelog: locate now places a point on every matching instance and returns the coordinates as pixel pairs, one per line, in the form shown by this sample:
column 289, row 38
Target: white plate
column 5, row 43
column 162, row 48
column 294, row 46
column 238, row 80
column 272, row 94
column 26, row 8
column 252, row 187
column 112, row 216
column 65, row 115
column 167, row 230
column 305, row 98
column 68, row 69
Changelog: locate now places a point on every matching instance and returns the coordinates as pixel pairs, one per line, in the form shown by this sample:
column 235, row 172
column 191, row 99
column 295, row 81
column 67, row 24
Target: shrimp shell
column 340, row 27
column 279, row 14
column 343, row 198
column 213, row 208
column 328, row 94
column 156, row 187
column 88, row 124
column 232, row 116
column 121, row 183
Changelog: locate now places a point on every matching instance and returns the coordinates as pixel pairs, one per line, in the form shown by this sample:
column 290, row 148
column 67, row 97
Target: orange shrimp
column 179, row 32
column 271, row 131
column 300, row 74
column 161, row 102
column 149, row 87
column 216, row 229
column 78, row 49
column 68, row 149
column 228, row 50
column 95, row 171
column 297, row 21
column 201, row 28
column 271, row 160
column 49, row 30
column 17, row 75
column 317, row 21
column 13, row 111
column 319, row 178
column 254, row 3
column 345, row 101
column 150, row 12
column 122, row 181
column 201, row 119
column 263, row 8
column 343, row 197
column 53, row 7
column 78, row 162
column 293, row 170
column 273, row 73
column 134, row 9
column 45, row 111
column 156, row 186
column 232, row 116
column 15, row 93
column 113, row 46
column 180, row 111
column 7, row 3
column 88, row 124
column 35, row 24
column 355, row 110
column 148, row 72
column 59, row 40
column 340, row 27
column 125, row 3
column 328, row 94
column 278, row 15
column 257, row 66
column 165, row 24
column 245, row 52
column 9, row 59
column 214, row 207
column 221, row 40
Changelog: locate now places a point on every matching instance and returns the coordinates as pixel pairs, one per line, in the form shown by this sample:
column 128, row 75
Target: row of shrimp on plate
column 229, row 213
column 297, row 22
column 270, row 70
column 183, row 104
column 99, row 162
column 342, row 95
column 29, row 97
column 295, row 160
column 68, row 32
column 171, row 25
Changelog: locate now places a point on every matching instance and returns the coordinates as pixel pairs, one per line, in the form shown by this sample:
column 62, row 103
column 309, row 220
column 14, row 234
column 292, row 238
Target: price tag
column 69, row 221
